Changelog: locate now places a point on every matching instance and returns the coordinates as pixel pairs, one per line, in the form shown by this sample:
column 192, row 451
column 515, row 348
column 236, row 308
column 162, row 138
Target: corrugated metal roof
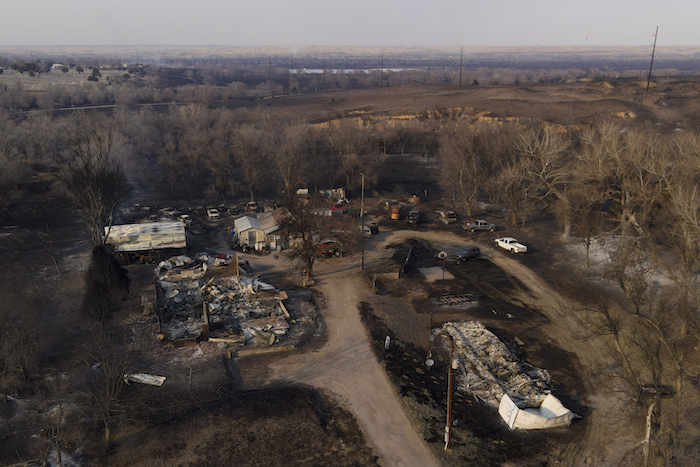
column 147, row 236
column 268, row 222
column 246, row 223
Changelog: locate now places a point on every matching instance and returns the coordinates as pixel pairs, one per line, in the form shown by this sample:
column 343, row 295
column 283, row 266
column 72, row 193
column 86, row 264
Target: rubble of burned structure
column 492, row 374
column 197, row 304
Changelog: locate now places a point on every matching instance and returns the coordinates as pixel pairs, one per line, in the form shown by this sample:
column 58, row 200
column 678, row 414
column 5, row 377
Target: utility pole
column 381, row 72
column 362, row 217
column 461, row 56
column 653, row 50
column 448, row 425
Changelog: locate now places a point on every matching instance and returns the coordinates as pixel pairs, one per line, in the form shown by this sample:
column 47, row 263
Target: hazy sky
column 349, row 22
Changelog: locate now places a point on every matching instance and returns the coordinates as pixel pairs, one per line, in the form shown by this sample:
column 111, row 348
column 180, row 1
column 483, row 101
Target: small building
column 248, row 232
column 271, row 222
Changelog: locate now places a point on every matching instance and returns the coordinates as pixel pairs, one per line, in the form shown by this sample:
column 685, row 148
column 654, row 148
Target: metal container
column 395, row 212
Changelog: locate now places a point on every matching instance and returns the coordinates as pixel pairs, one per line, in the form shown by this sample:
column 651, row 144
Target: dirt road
column 346, row 367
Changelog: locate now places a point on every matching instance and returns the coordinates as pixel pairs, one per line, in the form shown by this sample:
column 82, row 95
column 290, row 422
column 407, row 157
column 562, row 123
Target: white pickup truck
column 511, row 244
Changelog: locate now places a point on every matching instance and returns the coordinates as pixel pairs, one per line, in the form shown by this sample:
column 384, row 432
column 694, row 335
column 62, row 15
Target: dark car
column 330, row 247
column 466, row 253
column 414, row 216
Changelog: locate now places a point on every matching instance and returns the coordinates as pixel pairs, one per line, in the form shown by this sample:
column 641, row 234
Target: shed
column 248, row 232
column 271, row 222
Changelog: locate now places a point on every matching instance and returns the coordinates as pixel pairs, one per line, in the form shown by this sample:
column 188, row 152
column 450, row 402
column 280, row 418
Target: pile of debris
column 488, row 369
column 185, row 267
column 227, row 308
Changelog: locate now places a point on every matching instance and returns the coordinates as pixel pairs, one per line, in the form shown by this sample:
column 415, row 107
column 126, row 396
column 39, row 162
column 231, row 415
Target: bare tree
column 251, row 147
column 548, row 165
column 107, row 361
column 92, row 181
column 464, row 163
column 310, row 225
column 656, row 327
column 625, row 165
column 183, row 153
column 18, row 348
column 347, row 139
column 290, row 157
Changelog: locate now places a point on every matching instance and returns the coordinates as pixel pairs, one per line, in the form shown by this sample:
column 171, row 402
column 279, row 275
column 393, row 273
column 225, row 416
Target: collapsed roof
column 491, row 372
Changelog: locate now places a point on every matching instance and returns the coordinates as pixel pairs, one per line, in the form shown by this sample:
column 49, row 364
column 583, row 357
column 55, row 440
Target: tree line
column 141, row 84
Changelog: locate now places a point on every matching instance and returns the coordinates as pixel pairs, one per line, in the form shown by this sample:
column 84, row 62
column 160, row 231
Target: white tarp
column 534, row 413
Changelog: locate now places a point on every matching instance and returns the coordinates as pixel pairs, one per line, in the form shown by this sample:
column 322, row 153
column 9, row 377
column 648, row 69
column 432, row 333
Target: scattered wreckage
column 492, row 374
column 231, row 306
column 144, row 378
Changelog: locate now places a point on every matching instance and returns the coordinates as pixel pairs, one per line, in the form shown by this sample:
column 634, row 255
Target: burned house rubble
column 214, row 298
column 491, row 373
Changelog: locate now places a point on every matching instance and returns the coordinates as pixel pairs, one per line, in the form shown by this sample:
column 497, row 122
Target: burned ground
column 240, row 429
column 200, row 388
column 479, row 436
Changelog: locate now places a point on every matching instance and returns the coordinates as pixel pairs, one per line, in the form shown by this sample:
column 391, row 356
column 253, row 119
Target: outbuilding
column 271, row 223
column 247, row 232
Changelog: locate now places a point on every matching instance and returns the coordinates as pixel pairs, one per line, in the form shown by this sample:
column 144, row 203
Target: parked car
column 185, row 219
column 251, row 207
column 466, row 253
column 413, row 216
column 339, row 208
column 213, row 213
column 367, row 231
column 479, row 225
column 511, row 244
column 374, row 228
column 168, row 211
column 448, row 217
column 331, row 247
column 196, row 229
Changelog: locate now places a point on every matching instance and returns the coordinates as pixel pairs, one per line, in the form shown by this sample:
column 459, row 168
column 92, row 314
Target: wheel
column 472, row 230
column 491, row 229
column 512, row 251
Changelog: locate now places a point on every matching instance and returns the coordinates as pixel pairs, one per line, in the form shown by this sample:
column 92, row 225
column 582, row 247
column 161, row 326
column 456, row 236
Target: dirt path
column 347, row 367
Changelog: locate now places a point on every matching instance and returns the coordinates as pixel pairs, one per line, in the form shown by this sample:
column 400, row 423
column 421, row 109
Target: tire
column 512, row 251
column 472, row 230
column 492, row 229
